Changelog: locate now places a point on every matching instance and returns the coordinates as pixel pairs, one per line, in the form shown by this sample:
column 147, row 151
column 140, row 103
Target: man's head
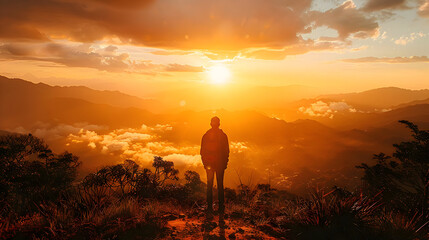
column 215, row 122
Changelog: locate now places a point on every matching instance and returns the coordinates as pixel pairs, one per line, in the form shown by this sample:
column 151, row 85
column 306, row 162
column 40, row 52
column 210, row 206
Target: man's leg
column 210, row 176
column 221, row 195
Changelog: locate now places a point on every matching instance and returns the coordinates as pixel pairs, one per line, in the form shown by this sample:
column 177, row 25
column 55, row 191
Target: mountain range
column 306, row 147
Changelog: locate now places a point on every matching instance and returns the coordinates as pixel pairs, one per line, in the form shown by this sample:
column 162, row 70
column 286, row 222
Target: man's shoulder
column 212, row 131
column 208, row 132
column 222, row 132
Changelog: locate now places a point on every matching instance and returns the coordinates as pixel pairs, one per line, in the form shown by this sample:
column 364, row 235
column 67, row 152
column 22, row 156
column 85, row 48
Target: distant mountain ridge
column 417, row 102
column 23, row 103
column 10, row 88
column 380, row 98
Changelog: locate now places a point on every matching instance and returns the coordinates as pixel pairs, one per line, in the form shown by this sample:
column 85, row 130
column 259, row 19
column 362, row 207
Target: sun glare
column 219, row 74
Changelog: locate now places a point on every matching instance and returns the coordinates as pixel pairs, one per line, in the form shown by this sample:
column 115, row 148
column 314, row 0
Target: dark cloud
column 424, row 9
column 222, row 24
column 81, row 56
column 124, row 3
column 33, row 20
column 347, row 20
column 412, row 59
column 20, row 31
column 105, row 59
column 376, row 5
column 220, row 29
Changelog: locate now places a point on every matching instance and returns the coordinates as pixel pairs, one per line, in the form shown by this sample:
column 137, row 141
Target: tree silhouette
column 164, row 170
column 404, row 178
column 129, row 179
column 193, row 181
column 30, row 173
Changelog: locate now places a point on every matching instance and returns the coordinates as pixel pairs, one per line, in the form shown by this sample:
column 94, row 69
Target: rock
column 209, row 226
column 236, row 214
column 182, row 216
column 169, row 217
column 269, row 230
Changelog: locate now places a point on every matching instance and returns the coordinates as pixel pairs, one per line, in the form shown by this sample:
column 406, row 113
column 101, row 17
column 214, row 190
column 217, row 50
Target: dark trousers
column 221, row 195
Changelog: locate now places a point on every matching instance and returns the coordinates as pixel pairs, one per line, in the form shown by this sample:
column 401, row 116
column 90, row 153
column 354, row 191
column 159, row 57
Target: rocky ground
column 199, row 226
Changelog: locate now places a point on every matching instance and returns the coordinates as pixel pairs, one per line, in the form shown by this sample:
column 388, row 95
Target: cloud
column 323, row 109
column 124, row 3
column 270, row 29
column 171, row 52
column 424, row 9
column 59, row 131
column 238, row 147
column 412, row 59
column 348, row 21
column 142, row 144
column 301, row 48
column 404, row 40
column 139, row 144
column 221, row 25
column 184, row 160
column 87, row 55
column 183, row 68
column 376, row 5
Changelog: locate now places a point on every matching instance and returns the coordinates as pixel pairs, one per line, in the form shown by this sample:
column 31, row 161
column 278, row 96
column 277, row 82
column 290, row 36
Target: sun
column 219, row 74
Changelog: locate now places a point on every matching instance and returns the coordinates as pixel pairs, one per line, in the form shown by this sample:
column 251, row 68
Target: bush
column 31, row 174
column 404, row 177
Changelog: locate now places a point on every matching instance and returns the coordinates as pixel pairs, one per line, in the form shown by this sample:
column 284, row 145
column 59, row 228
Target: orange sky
column 141, row 47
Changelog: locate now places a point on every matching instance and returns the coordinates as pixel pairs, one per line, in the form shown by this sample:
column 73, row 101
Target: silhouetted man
column 215, row 153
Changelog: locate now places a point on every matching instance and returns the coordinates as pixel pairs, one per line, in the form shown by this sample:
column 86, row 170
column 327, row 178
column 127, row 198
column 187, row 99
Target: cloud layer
column 323, row 109
column 412, row 59
column 348, row 21
column 262, row 29
column 221, row 25
column 424, row 9
column 270, row 29
column 86, row 55
column 141, row 144
column 376, row 5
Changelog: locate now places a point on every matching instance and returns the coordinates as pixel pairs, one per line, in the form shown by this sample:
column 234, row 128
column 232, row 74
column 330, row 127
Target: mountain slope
column 382, row 97
column 417, row 102
column 27, row 112
column 15, row 90
column 358, row 120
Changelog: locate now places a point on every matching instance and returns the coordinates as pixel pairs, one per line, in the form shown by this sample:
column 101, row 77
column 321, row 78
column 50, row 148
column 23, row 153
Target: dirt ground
column 203, row 227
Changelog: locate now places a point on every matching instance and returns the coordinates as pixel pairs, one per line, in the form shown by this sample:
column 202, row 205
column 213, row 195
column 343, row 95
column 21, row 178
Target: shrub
column 31, row 174
column 327, row 216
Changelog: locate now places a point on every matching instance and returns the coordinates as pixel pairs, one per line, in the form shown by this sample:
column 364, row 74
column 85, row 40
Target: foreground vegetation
column 40, row 198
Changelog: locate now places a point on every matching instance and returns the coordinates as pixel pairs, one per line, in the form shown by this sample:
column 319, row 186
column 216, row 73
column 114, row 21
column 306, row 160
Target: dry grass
column 123, row 218
column 321, row 216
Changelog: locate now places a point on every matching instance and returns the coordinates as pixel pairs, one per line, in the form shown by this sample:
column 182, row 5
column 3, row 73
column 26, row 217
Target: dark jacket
column 215, row 149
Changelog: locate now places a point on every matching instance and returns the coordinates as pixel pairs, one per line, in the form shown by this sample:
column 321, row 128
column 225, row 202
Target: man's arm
column 202, row 144
column 226, row 149
column 202, row 149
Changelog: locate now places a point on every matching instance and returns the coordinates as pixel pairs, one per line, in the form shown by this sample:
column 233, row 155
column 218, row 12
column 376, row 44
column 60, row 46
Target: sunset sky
column 143, row 46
